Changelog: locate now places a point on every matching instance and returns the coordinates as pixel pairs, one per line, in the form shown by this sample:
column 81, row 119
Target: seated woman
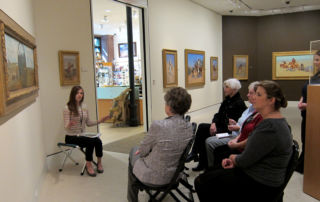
column 236, row 145
column 76, row 117
column 258, row 172
column 221, row 147
column 156, row 159
column 231, row 107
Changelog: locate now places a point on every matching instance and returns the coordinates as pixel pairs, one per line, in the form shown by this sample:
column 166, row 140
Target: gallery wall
column 181, row 25
column 22, row 150
column 258, row 37
column 62, row 25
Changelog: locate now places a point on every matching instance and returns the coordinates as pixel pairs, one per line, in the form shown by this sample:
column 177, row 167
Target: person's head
column 269, row 94
column 251, row 91
column 178, row 101
column 316, row 60
column 76, row 95
column 231, row 87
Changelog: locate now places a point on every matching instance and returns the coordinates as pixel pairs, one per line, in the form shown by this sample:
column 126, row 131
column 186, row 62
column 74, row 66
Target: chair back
column 293, row 162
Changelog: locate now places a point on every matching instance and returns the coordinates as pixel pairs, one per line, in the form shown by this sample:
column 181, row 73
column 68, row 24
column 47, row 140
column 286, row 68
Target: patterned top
column 161, row 150
column 81, row 120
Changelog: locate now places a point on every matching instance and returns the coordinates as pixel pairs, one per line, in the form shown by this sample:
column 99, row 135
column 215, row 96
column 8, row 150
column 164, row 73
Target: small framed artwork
column 240, row 67
column 292, row 65
column 123, row 50
column 194, row 67
column 213, row 68
column 18, row 66
column 69, row 68
column 170, row 68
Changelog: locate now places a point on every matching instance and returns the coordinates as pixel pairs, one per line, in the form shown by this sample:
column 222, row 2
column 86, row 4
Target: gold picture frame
column 18, row 66
column 240, row 67
column 292, row 65
column 214, row 68
column 170, row 68
column 194, row 67
column 69, row 67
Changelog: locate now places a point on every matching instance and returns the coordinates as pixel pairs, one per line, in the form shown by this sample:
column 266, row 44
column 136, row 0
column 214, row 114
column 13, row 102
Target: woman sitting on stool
column 76, row 117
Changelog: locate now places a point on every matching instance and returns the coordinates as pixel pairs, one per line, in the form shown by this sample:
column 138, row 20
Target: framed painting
column 170, row 68
column 240, row 66
column 69, row 68
column 213, row 68
column 18, row 66
column 194, row 67
column 123, row 50
column 292, row 65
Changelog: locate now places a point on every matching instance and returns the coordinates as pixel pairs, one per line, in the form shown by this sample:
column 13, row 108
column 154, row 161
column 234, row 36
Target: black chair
column 67, row 149
column 158, row 193
column 290, row 169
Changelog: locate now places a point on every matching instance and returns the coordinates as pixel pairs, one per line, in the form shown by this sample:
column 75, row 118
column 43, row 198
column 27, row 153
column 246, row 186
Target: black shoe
column 192, row 157
column 198, row 168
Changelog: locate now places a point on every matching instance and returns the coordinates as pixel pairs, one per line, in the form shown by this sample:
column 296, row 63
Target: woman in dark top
column 303, row 106
column 258, row 172
column 231, row 107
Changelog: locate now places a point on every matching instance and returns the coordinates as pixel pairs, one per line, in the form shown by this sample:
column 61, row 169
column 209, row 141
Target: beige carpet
column 124, row 145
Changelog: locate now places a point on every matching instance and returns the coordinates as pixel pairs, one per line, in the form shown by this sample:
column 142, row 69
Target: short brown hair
column 273, row 89
column 178, row 99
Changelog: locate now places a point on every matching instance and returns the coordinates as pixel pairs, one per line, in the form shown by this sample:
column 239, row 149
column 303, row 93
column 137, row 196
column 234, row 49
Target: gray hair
column 233, row 84
column 252, row 85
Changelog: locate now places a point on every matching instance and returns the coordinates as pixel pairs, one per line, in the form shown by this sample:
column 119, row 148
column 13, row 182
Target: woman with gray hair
column 156, row 159
column 231, row 108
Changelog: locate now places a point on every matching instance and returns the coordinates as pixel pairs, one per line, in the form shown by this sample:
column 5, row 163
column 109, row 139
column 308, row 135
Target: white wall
column 62, row 25
column 22, row 151
column 179, row 25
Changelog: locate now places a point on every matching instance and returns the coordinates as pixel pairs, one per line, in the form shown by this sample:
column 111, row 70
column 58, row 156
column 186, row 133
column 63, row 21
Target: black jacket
column 231, row 108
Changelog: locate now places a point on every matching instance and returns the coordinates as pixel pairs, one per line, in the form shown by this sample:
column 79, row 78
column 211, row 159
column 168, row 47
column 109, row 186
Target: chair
column 67, row 149
column 179, row 177
column 290, row 169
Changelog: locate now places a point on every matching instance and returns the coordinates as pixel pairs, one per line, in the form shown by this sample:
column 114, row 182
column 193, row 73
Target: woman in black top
column 303, row 106
column 231, row 108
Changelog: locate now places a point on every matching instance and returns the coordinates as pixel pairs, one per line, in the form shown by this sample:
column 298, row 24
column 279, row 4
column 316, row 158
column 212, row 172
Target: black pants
column 199, row 146
column 221, row 153
column 303, row 137
column 88, row 143
column 232, row 185
column 132, row 189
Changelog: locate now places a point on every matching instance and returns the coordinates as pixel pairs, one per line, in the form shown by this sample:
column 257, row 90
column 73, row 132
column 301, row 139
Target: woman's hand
column 233, row 144
column 233, row 127
column 103, row 119
column 71, row 123
column 137, row 152
column 227, row 164
column 213, row 129
column 232, row 122
column 302, row 105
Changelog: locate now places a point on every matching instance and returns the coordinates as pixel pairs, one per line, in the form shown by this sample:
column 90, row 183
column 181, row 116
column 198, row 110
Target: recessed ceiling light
column 107, row 10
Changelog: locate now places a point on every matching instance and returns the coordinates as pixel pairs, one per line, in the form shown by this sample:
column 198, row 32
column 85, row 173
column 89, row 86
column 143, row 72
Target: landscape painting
column 292, row 65
column 20, row 64
column 240, row 67
column 170, row 68
column 194, row 67
column 213, row 68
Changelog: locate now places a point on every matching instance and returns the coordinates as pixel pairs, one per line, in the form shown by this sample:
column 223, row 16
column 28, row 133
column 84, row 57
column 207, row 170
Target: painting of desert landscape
column 195, row 69
column 292, row 65
column 20, row 65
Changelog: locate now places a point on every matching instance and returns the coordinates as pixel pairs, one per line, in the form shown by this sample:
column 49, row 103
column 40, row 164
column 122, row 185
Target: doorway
column 112, row 58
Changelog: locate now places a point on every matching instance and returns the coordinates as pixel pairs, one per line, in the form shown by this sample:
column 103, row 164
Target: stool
column 67, row 150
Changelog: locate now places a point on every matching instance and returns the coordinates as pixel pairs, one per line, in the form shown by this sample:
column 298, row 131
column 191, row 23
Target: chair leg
column 174, row 197
column 67, row 155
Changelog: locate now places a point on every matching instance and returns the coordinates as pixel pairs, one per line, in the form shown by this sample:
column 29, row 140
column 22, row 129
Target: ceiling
column 258, row 7
column 109, row 16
